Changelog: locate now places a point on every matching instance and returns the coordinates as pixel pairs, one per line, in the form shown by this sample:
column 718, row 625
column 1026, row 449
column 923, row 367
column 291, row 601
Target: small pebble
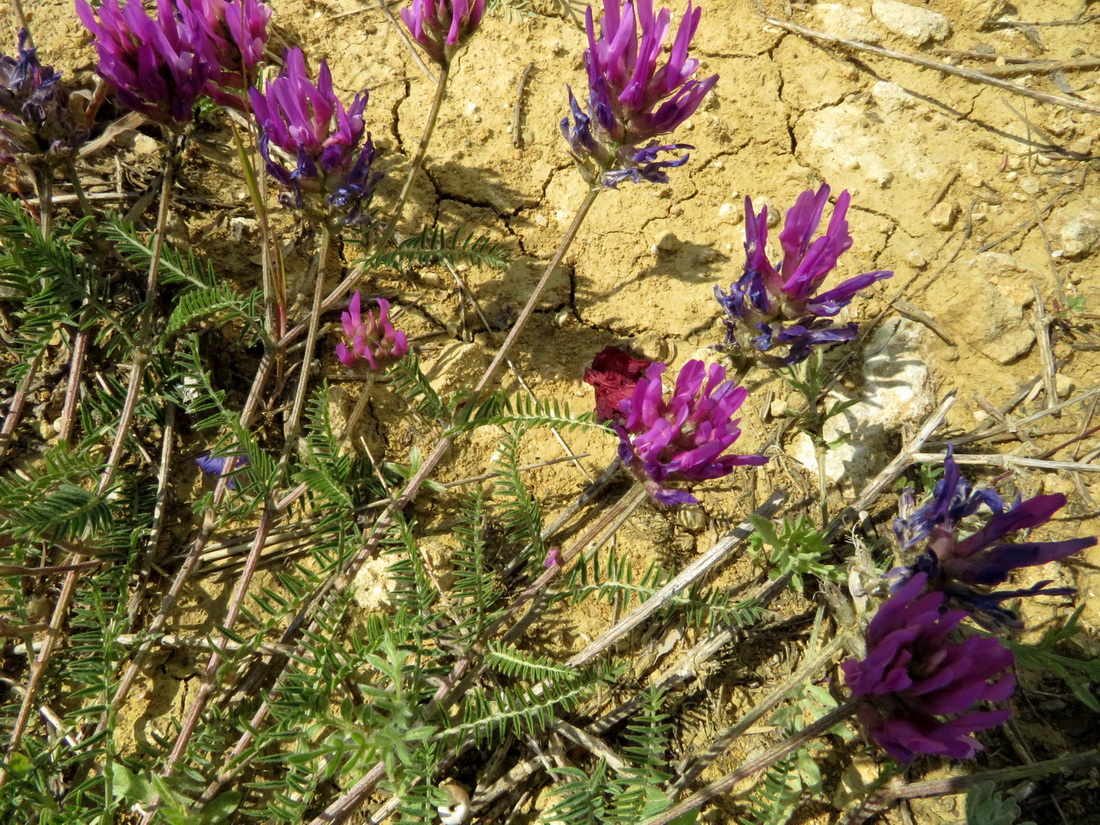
column 1064, row 385
column 944, row 215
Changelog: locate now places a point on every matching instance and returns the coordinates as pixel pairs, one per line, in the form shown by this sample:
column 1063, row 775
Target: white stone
column 843, row 21
column 891, row 97
column 372, row 588
column 943, row 216
column 917, row 24
column 1080, row 235
column 896, row 390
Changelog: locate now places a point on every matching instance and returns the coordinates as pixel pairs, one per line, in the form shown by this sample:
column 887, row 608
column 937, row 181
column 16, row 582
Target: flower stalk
column 418, row 159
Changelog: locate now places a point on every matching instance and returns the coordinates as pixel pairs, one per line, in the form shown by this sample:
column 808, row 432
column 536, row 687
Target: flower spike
column 160, row 66
column 920, row 689
column 238, row 31
column 685, row 437
column 964, row 568
column 310, row 143
column 442, row 27
column 779, row 306
column 631, row 101
column 37, row 123
column 372, row 341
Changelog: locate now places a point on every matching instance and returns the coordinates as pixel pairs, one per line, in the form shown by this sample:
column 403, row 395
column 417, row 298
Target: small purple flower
column 310, row 143
column 964, row 568
column 221, row 465
column 777, row 306
column 238, row 33
column 373, row 339
column 919, row 689
column 37, row 123
column 442, row 27
column 685, row 437
column 631, row 100
column 159, row 67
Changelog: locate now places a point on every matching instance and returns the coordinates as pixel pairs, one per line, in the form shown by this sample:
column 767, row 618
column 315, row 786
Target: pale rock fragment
column 843, row 21
column 989, row 314
column 1079, row 236
column 458, row 367
column 944, row 214
column 913, row 22
column 896, row 390
column 373, row 586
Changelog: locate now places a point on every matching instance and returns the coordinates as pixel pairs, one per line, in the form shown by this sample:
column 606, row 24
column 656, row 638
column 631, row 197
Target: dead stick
column 1009, row 462
column 935, row 65
column 895, row 468
column 693, row 572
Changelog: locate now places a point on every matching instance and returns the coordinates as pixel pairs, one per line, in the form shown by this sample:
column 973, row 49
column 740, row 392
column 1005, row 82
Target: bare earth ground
column 985, row 204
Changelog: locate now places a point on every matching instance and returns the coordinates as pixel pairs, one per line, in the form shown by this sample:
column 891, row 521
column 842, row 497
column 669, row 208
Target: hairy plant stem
column 274, row 275
column 418, row 158
column 270, row 513
column 137, row 370
column 189, row 564
column 781, row 691
column 18, row 401
column 338, row 581
column 755, row 764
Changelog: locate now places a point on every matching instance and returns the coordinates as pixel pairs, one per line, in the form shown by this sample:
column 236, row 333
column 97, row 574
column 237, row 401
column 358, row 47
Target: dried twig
column 936, row 65
column 1007, row 462
column 699, row 568
column 1046, row 354
column 895, row 468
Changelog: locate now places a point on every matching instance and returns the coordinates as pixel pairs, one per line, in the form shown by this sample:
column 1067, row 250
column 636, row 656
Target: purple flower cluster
column 631, row 100
column 310, row 143
column 442, row 27
column 684, row 437
column 919, row 688
column 778, row 305
column 37, row 123
column 161, row 65
column 373, row 341
column 238, row 31
column 964, row 568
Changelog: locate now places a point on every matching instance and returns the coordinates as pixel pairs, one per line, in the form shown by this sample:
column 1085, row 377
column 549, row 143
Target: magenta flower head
column 237, row 30
column 631, row 101
column 683, row 438
column 964, row 568
column 371, row 341
column 37, row 123
column 160, row 66
column 919, row 689
column 442, row 27
column 310, row 143
column 779, row 306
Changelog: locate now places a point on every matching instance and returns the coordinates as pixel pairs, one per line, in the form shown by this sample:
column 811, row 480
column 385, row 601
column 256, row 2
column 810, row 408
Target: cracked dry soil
column 965, row 191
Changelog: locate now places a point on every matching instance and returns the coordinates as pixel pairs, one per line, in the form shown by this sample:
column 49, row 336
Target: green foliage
column 634, row 792
column 810, row 378
column 790, row 781
column 1080, row 675
column 985, row 806
column 613, row 580
column 174, row 807
column 797, row 549
column 436, row 244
